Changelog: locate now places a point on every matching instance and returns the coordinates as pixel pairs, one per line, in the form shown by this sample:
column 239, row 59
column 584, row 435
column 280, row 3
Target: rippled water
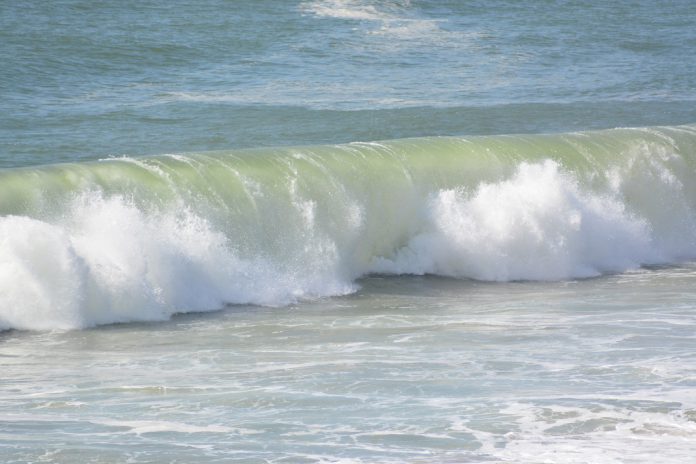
column 414, row 369
column 86, row 80
column 406, row 370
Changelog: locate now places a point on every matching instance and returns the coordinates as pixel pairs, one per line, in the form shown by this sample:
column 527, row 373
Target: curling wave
column 140, row 239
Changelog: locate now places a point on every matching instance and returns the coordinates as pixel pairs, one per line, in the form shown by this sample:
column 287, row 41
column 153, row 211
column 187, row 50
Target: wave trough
column 141, row 239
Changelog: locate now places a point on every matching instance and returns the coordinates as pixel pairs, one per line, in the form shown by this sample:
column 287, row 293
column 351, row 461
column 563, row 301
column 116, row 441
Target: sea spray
column 107, row 261
column 140, row 239
column 538, row 225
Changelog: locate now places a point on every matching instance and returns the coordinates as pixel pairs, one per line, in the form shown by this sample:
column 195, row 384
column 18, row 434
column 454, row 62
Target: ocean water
column 347, row 231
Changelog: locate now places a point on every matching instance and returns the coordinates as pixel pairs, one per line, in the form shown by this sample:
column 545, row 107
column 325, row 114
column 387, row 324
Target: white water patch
column 346, row 9
column 107, row 261
column 537, row 225
column 602, row 433
column 144, row 426
column 394, row 20
column 659, row 180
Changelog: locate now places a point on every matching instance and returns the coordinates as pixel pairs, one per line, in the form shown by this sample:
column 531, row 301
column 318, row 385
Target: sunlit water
column 336, row 361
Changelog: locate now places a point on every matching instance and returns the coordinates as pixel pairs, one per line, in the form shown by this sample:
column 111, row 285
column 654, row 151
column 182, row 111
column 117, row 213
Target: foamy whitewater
column 140, row 239
column 347, row 231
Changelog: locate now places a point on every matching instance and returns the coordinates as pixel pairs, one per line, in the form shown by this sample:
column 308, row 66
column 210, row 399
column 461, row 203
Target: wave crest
column 141, row 239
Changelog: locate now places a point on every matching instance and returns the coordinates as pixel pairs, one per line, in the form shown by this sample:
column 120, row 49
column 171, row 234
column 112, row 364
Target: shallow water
column 409, row 369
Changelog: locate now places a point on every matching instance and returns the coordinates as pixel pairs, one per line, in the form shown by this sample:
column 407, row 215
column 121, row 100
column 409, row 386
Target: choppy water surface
column 82, row 80
column 406, row 370
column 480, row 297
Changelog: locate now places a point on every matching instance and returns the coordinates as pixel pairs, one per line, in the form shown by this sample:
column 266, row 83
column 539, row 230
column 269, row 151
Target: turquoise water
column 236, row 231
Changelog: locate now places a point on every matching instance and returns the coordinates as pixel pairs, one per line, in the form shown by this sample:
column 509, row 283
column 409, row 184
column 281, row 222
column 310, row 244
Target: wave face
column 140, row 239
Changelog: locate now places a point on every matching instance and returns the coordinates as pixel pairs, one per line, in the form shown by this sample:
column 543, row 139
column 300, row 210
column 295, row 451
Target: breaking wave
column 143, row 238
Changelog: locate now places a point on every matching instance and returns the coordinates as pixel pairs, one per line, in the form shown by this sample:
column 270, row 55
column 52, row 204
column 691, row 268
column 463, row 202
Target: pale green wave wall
column 137, row 239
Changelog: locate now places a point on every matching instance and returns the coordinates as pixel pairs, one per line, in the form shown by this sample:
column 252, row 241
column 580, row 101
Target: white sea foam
column 392, row 19
column 538, row 225
column 346, row 9
column 108, row 261
column 143, row 426
column 311, row 228
column 557, row 434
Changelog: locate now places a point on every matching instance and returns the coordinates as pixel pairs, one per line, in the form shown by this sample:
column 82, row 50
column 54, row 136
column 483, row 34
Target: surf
column 134, row 239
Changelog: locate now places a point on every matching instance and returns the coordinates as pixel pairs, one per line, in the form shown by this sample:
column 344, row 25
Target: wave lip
column 141, row 239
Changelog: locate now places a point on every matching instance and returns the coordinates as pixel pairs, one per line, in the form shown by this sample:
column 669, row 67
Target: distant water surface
column 83, row 80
